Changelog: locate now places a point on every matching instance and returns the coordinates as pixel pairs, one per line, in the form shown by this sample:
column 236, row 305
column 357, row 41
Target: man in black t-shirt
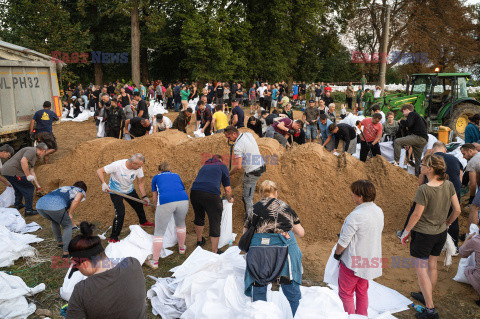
column 220, row 91
column 238, row 116
column 211, row 93
column 142, row 108
column 347, row 134
column 417, row 136
column 138, row 127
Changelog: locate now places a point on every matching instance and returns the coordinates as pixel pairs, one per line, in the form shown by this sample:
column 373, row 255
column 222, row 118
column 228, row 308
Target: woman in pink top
column 472, row 245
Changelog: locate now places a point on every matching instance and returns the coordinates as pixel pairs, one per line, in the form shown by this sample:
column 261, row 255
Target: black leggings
column 117, row 201
column 211, row 204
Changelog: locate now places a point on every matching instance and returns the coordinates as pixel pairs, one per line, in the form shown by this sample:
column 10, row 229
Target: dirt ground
column 313, row 182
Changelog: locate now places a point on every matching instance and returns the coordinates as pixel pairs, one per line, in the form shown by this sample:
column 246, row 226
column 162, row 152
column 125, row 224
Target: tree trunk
column 135, row 44
column 144, row 64
column 97, row 67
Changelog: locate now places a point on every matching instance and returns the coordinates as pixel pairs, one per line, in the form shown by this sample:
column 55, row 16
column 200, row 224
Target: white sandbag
column 7, row 198
column 85, row 115
column 13, row 304
column 169, row 239
column 332, row 269
column 138, row 244
column 226, row 227
column 101, row 128
column 450, row 250
column 198, row 133
column 320, row 302
column 13, row 246
column 263, row 310
column 69, row 283
column 466, row 262
column 13, row 220
column 162, row 290
column 351, row 119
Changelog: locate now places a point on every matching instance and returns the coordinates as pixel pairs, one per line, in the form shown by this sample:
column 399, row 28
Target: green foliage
column 271, row 40
column 339, row 97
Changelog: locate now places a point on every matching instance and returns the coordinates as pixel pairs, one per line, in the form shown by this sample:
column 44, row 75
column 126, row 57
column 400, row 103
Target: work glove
column 147, row 201
column 337, row 256
column 32, row 136
column 404, row 237
column 105, row 187
column 30, row 178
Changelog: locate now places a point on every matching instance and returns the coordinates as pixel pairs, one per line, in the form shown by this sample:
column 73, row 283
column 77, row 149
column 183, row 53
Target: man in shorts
column 41, row 128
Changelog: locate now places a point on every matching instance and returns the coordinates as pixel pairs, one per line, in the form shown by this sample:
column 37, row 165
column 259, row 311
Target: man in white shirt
column 122, row 175
column 261, row 91
column 246, row 155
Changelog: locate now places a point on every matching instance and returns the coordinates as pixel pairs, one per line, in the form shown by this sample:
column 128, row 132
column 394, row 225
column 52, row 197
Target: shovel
column 130, row 197
column 102, row 236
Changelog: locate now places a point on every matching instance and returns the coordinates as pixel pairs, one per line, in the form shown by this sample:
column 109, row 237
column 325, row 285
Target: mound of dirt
column 313, row 181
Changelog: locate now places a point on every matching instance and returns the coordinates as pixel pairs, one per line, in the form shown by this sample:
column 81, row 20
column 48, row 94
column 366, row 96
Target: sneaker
column 113, row 240
column 399, row 234
column 30, row 212
column 152, row 264
column 219, row 251
column 425, row 314
column 148, row 224
column 18, row 207
column 418, row 296
column 456, row 252
column 202, row 242
column 66, row 256
column 181, row 251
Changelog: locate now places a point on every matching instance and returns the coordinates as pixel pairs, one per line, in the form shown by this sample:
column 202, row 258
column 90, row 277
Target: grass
column 40, row 269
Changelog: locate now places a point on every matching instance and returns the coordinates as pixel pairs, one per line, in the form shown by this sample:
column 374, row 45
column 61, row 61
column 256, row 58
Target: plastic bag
column 101, row 128
column 69, row 283
column 226, row 235
column 332, row 270
column 198, row 133
column 7, row 198
column 466, row 262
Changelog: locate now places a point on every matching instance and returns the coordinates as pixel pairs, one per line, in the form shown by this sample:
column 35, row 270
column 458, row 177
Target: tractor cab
column 440, row 97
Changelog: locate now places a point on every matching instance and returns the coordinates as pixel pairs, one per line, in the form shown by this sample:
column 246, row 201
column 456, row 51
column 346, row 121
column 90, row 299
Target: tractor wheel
column 459, row 120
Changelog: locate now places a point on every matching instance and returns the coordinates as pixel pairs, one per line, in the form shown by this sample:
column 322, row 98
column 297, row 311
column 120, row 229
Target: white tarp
column 13, row 246
column 351, row 119
column 207, row 281
column 13, row 220
column 7, row 198
column 13, row 304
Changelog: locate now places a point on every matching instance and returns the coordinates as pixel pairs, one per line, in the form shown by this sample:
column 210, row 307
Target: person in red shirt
column 327, row 88
column 282, row 129
column 372, row 133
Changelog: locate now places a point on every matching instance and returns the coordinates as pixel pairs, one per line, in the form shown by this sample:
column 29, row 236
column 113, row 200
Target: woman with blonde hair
column 276, row 225
column 428, row 227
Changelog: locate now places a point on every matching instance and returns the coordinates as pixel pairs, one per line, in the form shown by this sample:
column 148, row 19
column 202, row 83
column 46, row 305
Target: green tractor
column 440, row 98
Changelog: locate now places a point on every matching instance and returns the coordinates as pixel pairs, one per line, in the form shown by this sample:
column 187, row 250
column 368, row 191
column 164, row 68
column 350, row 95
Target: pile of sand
column 314, row 182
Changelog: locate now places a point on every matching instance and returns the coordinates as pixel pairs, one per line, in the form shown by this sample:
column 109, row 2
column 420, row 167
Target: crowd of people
column 270, row 221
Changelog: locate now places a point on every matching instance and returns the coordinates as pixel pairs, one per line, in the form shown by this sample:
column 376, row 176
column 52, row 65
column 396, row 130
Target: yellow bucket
column 444, row 134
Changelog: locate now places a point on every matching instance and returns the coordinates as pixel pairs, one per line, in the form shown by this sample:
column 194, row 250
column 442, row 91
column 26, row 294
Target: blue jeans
column 311, row 132
column 23, row 189
column 249, row 185
column 292, row 292
column 177, row 106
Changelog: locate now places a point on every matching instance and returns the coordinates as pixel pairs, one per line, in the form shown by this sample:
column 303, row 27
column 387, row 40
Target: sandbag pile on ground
column 313, row 181
column 13, row 220
column 83, row 116
column 13, row 246
column 13, row 304
column 208, row 285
